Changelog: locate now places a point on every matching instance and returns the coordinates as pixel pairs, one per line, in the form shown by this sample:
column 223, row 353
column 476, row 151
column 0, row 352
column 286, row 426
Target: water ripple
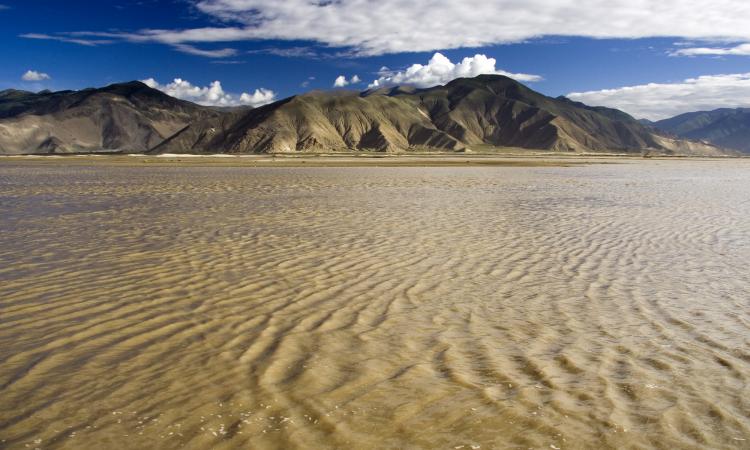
column 168, row 307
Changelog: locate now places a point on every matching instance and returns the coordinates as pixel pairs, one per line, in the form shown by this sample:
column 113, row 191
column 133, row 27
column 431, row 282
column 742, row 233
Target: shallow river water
column 601, row 306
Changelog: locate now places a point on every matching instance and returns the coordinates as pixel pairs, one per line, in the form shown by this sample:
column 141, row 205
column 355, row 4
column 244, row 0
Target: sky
column 651, row 59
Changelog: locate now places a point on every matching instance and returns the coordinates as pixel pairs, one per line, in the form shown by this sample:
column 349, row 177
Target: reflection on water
column 590, row 307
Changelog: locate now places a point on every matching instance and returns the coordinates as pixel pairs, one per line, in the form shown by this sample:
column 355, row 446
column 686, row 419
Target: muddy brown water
column 602, row 306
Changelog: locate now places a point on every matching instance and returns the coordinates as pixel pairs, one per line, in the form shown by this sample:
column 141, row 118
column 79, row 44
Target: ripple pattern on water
column 584, row 307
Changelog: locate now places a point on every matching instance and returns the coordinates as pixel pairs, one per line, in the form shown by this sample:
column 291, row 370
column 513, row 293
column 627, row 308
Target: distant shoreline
column 535, row 159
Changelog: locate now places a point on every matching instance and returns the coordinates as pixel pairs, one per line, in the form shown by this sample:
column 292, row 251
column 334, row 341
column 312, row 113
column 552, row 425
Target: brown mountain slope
column 465, row 114
column 499, row 111
column 486, row 110
column 129, row 117
column 317, row 122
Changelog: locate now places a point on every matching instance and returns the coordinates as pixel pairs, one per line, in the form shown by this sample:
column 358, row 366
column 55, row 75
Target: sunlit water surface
column 603, row 306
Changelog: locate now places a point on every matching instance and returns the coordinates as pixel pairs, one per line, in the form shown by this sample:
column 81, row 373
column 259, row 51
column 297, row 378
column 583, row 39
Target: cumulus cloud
column 33, row 75
column 662, row 100
column 372, row 28
column 258, row 98
column 738, row 50
column 341, row 81
column 440, row 70
column 211, row 95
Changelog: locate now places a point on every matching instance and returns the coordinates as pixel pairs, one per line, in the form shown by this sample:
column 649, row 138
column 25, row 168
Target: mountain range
column 127, row 117
column 467, row 114
column 725, row 127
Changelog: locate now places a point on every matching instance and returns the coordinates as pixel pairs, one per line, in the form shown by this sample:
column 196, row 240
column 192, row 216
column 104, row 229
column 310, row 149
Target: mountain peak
column 14, row 93
column 130, row 88
column 488, row 111
column 120, row 117
column 485, row 80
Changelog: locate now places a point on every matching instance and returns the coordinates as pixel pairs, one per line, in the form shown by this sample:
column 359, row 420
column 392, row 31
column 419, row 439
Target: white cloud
column 291, row 52
column 212, row 95
column 71, row 40
column 662, row 100
column 33, row 75
column 81, row 39
column 391, row 26
column 341, row 81
column 738, row 50
column 440, row 70
column 220, row 53
column 260, row 97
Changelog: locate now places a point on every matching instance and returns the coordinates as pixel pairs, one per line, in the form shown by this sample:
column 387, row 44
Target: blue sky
column 288, row 48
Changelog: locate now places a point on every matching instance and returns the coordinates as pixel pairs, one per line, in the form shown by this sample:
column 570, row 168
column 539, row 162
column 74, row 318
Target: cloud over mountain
column 440, row 70
column 657, row 101
column 258, row 98
column 33, row 75
column 341, row 81
column 212, row 95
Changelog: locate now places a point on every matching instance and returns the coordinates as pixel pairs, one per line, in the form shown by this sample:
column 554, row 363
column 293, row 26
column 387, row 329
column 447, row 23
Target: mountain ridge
column 725, row 127
column 488, row 110
column 123, row 117
column 463, row 115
